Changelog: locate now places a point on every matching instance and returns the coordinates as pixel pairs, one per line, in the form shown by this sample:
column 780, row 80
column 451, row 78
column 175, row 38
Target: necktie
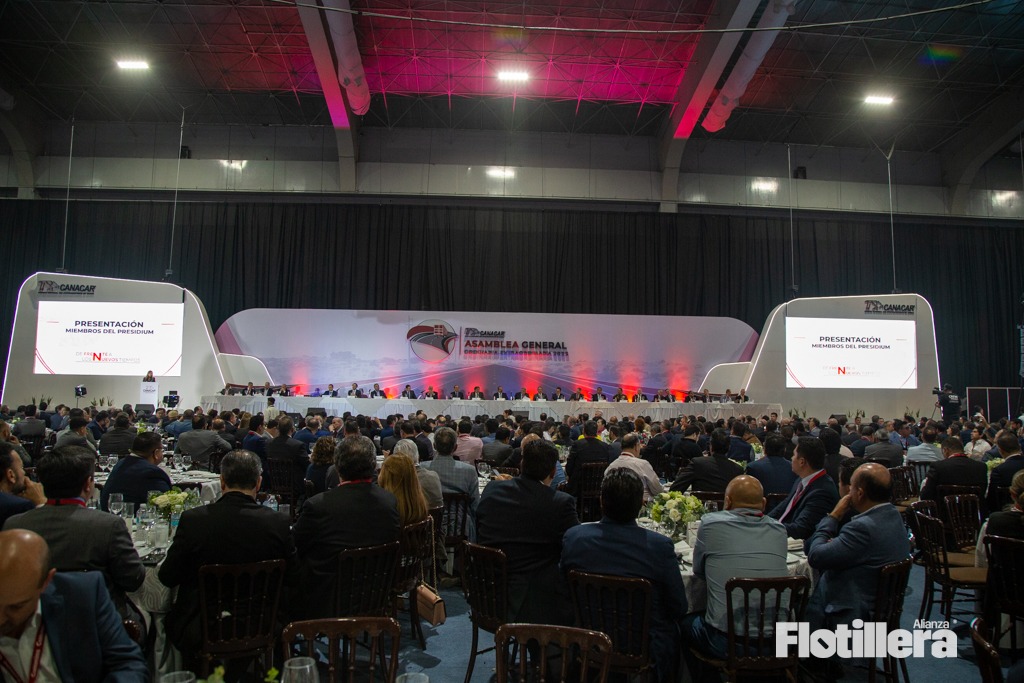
column 793, row 501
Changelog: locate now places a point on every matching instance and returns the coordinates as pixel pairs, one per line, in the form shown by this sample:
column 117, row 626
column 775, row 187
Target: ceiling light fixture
column 514, row 76
column 878, row 99
column 233, row 165
column 500, row 172
column 765, row 185
column 132, row 64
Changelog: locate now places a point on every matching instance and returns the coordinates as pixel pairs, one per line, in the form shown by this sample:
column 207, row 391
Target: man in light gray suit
column 200, row 443
column 77, row 434
column 81, row 539
column 882, row 448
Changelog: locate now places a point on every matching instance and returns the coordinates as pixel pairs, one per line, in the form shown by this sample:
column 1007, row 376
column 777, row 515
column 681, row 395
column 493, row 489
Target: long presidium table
column 382, row 407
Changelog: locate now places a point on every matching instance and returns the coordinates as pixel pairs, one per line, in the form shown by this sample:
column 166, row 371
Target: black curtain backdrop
column 238, row 255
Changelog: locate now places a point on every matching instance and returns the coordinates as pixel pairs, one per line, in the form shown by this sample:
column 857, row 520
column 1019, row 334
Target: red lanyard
column 803, row 489
column 356, row 481
column 37, row 655
column 65, row 501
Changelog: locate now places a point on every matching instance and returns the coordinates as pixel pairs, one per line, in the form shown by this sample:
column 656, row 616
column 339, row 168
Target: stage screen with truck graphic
column 842, row 353
column 108, row 338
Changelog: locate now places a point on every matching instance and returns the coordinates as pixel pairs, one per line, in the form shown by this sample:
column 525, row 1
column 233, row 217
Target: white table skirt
column 382, row 407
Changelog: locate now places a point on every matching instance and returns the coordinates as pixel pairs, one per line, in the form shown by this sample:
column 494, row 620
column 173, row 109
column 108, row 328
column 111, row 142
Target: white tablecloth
column 382, row 407
column 209, row 483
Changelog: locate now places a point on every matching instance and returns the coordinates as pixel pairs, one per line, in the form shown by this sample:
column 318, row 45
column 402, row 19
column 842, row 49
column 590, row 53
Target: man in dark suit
column 82, row 638
column 712, row 472
column 499, row 394
column 290, row 451
column 477, row 393
column 773, row 470
column 422, row 442
column 656, row 445
column 638, row 396
column 118, row 439
column 499, row 450
column 812, row 495
column 526, row 519
column 578, row 395
column 849, row 557
column 18, row 493
column 355, row 391
column 540, row 395
column 233, row 530
column 31, row 427
column 617, row 546
column 368, row 514
column 858, row 447
column 377, row 392
column 81, row 539
column 884, row 449
column 739, row 450
column 331, row 392
column 457, row 392
column 599, row 395
column 408, row 392
column 1002, row 475
column 138, row 473
column 587, row 449
column 955, row 469
column 558, row 395
column 430, row 393
column 685, row 449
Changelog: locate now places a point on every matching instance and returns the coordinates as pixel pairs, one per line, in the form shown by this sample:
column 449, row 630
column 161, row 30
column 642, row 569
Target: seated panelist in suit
column 620, row 395
column 578, row 395
column 477, row 393
column 377, row 392
column 599, row 395
column 408, row 392
column 330, row 392
column 81, row 637
column 285, row 391
column 355, row 391
column 540, row 395
column 558, row 395
column 813, row 495
column 639, row 396
column 500, row 394
column 457, row 393
column 522, row 394
column 430, row 393
column 267, row 390
column 249, row 390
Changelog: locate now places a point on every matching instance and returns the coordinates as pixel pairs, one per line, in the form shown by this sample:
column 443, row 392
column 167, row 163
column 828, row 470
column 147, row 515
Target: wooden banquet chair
column 342, row 635
column 582, row 654
column 485, row 585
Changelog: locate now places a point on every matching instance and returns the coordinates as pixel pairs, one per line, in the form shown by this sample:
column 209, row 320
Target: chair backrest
column 365, row 579
column 963, row 512
column 214, row 465
column 773, row 500
column 485, row 585
column 892, row 587
column 279, row 475
column 710, row 496
column 619, row 607
column 919, row 471
column 583, row 651
column 455, row 518
column 415, row 548
column 1005, row 587
column 342, row 635
column 511, row 471
column 952, row 490
column 753, row 607
column 986, row 655
column 1002, row 497
column 238, row 605
column 588, row 505
column 902, row 484
column 932, row 540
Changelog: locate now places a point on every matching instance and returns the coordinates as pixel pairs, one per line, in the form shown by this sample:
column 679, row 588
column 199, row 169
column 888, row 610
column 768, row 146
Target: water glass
column 111, row 461
column 300, row 670
column 115, row 503
column 159, row 536
column 178, row 677
column 285, row 509
column 711, row 506
column 186, row 462
column 129, row 512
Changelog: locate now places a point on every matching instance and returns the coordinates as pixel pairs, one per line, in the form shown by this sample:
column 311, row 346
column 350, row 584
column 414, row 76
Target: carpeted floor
column 447, row 653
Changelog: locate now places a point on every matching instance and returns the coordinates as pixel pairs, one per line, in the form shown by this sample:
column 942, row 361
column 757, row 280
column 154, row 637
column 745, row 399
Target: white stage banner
column 313, row 348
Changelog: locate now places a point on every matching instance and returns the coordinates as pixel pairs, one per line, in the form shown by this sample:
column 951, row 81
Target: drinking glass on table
column 111, row 461
column 178, row 677
column 159, row 536
column 186, row 462
column 300, row 670
column 115, row 503
column 711, row 506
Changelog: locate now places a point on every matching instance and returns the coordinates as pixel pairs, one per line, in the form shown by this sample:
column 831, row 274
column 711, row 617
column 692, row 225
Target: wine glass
column 115, row 503
column 186, row 462
column 300, row 670
column 711, row 506
column 178, row 677
column 111, row 461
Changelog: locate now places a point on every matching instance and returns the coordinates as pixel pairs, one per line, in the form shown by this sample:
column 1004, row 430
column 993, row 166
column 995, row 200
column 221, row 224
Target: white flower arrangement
column 678, row 508
column 165, row 503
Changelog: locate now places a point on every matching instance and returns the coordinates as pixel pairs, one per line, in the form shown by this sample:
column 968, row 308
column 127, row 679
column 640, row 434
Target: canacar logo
column 432, row 340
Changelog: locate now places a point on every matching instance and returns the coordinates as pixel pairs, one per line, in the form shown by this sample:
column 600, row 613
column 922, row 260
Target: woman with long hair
column 320, row 461
column 398, row 475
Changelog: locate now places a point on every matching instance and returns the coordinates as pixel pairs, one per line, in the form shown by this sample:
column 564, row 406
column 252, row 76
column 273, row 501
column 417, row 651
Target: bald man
column 849, row 557
column 740, row 541
column 70, row 615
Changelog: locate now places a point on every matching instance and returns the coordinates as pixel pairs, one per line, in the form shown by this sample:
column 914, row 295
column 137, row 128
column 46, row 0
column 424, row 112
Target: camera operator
column 949, row 404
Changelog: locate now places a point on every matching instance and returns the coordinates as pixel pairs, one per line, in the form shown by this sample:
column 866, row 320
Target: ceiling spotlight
column 516, row 76
column 132, row 64
column 500, row 172
column 878, row 99
column 764, row 185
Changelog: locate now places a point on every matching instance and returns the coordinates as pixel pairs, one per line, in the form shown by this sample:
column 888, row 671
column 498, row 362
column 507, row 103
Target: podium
column 149, row 392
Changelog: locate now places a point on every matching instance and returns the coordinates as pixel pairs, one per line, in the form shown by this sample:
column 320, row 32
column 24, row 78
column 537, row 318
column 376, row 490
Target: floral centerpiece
column 993, row 463
column 674, row 511
column 165, row 503
column 742, row 463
